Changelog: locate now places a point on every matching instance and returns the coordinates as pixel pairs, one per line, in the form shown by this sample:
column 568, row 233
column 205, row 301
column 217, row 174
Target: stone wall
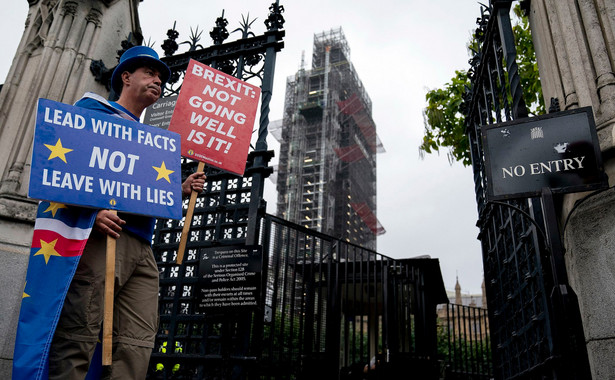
column 575, row 47
column 60, row 40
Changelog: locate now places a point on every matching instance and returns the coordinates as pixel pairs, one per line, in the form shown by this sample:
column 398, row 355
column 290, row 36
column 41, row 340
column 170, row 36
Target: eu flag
column 60, row 234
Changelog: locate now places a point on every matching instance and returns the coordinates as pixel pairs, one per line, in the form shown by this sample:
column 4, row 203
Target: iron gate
column 228, row 214
column 532, row 336
column 327, row 309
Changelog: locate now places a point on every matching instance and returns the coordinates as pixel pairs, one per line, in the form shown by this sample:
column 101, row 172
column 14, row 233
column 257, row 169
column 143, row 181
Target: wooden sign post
column 107, row 343
column 188, row 221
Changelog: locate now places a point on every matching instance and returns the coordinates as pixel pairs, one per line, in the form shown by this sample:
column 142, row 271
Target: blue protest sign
column 87, row 158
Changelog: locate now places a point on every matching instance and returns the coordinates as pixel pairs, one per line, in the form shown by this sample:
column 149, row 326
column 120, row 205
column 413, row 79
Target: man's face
column 144, row 84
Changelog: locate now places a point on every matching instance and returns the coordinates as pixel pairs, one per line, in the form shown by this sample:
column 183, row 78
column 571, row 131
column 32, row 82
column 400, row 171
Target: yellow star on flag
column 25, row 295
column 54, row 207
column 163, row 172
column 58, row 151
column 47, row 250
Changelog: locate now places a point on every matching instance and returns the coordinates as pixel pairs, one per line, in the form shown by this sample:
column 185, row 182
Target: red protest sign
column 214, row 115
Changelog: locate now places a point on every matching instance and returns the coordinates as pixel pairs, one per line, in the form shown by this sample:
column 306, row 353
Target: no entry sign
column 559, row 151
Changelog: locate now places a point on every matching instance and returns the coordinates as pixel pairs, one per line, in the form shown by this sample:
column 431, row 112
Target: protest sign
column 214, row 115
column 91, row 159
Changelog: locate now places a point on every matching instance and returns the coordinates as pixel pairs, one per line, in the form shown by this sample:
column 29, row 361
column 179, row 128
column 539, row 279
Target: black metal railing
column 227, row 213
column 464, row 345
column 327, row 309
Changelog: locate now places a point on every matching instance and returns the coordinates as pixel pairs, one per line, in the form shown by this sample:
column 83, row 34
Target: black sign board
column 559, row 151
column 159, row 114
column 229, row 278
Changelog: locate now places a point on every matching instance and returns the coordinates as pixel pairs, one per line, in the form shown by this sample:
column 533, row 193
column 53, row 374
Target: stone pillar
column 575, row 47
column 60, row 40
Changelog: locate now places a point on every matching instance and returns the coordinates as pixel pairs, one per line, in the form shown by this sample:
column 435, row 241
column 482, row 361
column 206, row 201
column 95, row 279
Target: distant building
column 327, row 169
column 458, row 298
column 465, row 315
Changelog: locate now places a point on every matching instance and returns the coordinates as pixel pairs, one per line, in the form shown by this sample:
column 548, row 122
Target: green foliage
column 461, row 355
column 444, row 123
column 442, row 347
column 528, row 67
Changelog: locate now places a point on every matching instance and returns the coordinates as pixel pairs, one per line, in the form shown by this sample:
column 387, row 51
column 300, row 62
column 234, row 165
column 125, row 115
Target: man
column 138, row 79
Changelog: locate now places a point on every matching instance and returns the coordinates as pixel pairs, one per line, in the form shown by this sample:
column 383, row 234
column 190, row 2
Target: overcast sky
column 400, row 49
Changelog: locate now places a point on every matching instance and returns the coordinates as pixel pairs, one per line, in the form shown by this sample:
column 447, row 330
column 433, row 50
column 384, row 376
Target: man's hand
column 194, row 182
column 109, row 223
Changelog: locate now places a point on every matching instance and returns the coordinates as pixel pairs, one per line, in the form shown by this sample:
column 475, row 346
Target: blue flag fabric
column 60, row 235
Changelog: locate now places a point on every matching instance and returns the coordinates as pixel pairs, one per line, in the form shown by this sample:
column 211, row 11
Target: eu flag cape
column 60, row 234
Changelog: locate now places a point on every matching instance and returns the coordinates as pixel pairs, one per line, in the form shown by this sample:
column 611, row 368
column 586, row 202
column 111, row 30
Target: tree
column 462, row 355
column 444, row 123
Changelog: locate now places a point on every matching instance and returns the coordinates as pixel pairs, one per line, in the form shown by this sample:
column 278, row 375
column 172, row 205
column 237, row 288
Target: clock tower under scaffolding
column 328, row 168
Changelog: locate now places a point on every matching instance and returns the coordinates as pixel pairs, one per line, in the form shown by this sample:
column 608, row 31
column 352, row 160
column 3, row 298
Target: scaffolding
column 327, row 169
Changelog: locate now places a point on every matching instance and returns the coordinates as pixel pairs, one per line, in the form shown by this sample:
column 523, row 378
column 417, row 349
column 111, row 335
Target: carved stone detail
column 94, row 16
column 70, row 8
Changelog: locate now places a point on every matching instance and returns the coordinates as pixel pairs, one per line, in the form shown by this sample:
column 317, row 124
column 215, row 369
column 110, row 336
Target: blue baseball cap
column 135, row 57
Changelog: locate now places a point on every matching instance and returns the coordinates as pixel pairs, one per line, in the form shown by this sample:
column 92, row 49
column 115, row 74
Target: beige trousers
column 135, row 311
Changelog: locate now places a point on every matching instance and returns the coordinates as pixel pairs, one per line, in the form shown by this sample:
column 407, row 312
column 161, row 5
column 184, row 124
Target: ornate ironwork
column 134, row 39
column 275, row 20
column 528, row 340
column 243, row 58
column 170, row 46
column 219, row 34
column 102, row 74
column 246, row 24
column 195, row 37
column 228, row 212
column 554, row 106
